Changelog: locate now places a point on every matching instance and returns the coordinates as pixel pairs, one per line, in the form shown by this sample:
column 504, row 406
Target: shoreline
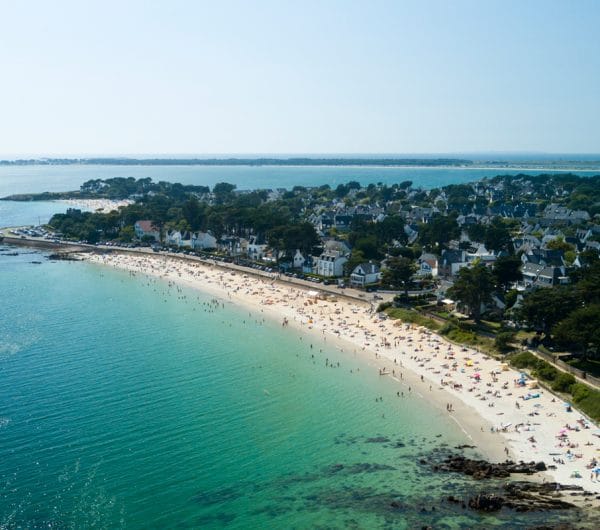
column 487, row 412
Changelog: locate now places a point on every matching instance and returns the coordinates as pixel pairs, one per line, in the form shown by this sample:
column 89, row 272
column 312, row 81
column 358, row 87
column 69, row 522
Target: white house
column 331, row 263
column 365, row 274
column 298, row 260
column 203, row 241
column 173, row 238
column 146, row 228
column 482, row 255
column 177, row 239
column 427, row 265
column 255, row 250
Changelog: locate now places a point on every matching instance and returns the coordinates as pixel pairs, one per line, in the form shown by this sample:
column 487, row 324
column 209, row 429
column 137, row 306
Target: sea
column 39, row 178
column 129, row 402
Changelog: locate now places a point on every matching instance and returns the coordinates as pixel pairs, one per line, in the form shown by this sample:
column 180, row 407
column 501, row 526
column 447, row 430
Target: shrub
column 447, row 328
column 503, row 340
column 563, row 382
column 579, row 391
column 524, row 360
column 383, row 306
column 545, row 371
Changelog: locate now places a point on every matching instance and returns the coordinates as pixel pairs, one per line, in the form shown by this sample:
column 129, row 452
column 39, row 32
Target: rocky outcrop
column 480, row 469
column 523, row 497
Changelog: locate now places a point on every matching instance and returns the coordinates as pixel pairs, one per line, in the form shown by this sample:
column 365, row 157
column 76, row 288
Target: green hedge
column 563, row 382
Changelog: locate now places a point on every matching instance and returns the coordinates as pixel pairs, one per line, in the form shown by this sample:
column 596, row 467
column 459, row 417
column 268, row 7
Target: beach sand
column 493, row 410
column 92, row 205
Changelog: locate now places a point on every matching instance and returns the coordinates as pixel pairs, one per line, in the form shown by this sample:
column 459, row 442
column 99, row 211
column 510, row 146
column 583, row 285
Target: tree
column 289, row 238
column 560, row 244
column 356, row 258
column 507, row 270
column 580, row 330
column 390, row 229
column 399, row 272
column 543, row 308
column 588, row 286
column 503, row 341
column 127, row 234
column 476, row 232
column 497, row 236
column 439, row 231
column 368, row 246
column 473, row 288
column 223, row 191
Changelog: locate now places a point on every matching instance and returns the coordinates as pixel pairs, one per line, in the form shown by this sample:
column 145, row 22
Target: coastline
column 414, row 357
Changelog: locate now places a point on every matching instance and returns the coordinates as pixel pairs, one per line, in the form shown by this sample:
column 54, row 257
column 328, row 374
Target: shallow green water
column 128, row 403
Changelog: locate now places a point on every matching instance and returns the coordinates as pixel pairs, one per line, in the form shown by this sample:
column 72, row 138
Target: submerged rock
column 521, row 497
column 486, row 502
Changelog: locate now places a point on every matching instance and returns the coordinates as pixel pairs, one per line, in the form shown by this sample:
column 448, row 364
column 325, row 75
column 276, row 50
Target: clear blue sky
column 171, row 76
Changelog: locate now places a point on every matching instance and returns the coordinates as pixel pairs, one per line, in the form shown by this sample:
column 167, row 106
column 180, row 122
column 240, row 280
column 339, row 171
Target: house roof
column 147, row 226
column 367, row 268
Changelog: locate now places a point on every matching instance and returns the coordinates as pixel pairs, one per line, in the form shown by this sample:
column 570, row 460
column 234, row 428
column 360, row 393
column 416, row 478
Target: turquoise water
column 35, row 179
column 13, row 213
column 126, row 403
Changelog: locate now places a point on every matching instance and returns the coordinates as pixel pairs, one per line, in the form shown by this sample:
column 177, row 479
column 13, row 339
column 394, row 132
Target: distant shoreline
column 322, row 164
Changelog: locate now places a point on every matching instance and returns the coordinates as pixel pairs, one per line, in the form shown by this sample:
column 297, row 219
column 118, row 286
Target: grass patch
column 464, row 334
column 489, row 326
column 412, row 317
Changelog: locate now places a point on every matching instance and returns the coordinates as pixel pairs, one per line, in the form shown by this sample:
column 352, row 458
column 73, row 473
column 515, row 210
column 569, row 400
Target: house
column 481, row 255
column 298, row 260
column 203, row 241
column 230, row 245
column 365, row 274
column 292, row 261
column 544, row 256
column 146, row 228
column 331, row 263
column 334, row 245
column 557, row 213
column 177, row 239
column 427, row 265
column 255, row 250
column 539, row 275
column 452, row 261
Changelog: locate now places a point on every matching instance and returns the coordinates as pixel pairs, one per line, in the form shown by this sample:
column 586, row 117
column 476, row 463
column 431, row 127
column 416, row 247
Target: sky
column 172, row 77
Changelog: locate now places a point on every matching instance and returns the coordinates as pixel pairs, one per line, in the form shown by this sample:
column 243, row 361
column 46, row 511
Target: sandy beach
column 502, row 417
column 92, row 205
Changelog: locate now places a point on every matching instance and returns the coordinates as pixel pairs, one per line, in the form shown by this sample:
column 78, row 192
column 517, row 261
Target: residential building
column 365, row 274
column 146, row 228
